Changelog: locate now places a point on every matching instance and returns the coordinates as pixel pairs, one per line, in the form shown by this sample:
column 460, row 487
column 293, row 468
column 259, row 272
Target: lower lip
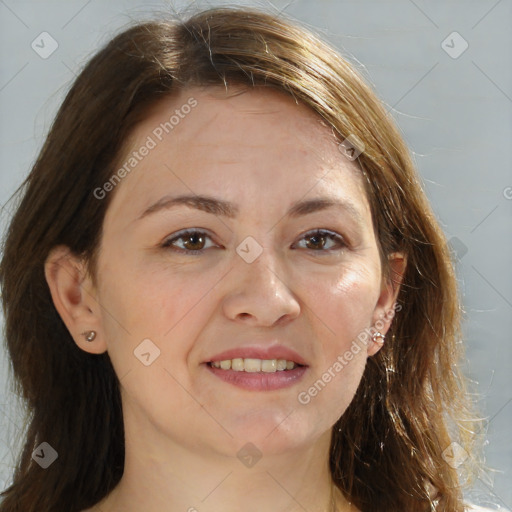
column 260, row 381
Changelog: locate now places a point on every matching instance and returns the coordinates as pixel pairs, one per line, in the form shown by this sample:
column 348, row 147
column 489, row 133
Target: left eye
column 194, row 241
column 320, row 239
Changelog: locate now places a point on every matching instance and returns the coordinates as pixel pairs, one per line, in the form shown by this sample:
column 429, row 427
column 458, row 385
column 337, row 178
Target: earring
column 89, row 335
column 378, row 338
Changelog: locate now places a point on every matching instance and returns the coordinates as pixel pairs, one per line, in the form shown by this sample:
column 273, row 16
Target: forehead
column 210, row 140
column 237, row 121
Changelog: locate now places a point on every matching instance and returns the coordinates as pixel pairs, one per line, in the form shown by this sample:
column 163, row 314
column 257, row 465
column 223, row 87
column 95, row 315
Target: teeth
column 251, row 365
column 237, row 365
column 269, row 365
column 226, row 365
column 281, row 364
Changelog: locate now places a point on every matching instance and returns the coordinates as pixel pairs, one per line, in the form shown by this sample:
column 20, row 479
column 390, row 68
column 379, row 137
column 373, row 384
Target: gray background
column 454, row 112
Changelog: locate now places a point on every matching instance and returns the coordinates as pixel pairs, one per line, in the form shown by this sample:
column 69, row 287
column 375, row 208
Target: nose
column 258, row 293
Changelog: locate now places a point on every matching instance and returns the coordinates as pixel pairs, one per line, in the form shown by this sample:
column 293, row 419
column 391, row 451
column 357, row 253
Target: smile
column 252, row 365
column 258, row 374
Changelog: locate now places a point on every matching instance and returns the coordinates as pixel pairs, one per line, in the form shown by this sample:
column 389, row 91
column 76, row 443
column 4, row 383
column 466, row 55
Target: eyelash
column 167, row 244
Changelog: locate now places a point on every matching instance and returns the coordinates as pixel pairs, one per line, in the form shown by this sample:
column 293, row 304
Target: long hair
column 387, row 449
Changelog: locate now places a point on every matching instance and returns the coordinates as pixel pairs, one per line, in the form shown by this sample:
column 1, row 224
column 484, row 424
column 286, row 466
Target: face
column 261, row 270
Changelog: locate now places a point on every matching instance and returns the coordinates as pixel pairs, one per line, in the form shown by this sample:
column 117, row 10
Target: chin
column 275, row 431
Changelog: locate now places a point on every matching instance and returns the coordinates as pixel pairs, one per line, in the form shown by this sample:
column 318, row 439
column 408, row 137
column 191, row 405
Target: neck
column 173, row 478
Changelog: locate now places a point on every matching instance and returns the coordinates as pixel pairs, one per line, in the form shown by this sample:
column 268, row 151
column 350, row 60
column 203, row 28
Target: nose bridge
column 259, row 285
column 260, row 265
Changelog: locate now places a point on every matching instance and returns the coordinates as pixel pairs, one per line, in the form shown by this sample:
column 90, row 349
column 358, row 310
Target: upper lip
column 260, row 352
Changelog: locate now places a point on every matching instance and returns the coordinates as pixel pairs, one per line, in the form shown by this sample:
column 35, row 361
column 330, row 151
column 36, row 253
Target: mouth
column 252, row 365
column 257, row 374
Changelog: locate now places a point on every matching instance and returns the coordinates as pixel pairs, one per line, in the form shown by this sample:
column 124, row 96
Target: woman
column 224, row 288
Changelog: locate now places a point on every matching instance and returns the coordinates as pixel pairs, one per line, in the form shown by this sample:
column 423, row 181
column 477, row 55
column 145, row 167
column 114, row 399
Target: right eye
column 192, row 240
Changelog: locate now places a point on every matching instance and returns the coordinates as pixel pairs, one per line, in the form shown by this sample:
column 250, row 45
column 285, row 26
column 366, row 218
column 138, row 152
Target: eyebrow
column 223, row 208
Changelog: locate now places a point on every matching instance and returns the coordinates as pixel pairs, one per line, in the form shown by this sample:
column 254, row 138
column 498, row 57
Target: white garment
column 476, row 508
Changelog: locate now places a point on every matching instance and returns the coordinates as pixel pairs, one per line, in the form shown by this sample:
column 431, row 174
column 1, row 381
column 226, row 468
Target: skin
column 184, row 426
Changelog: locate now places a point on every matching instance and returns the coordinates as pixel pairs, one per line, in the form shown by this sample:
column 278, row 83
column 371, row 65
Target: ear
column 386, row 305
column 74, row 297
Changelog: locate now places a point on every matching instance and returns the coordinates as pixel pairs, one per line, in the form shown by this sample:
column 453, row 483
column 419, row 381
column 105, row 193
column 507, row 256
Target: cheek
column 331, row 390
column 152, row 301
column 344, row 307
column 139, row 305
column 169, row 310
column 344, row 304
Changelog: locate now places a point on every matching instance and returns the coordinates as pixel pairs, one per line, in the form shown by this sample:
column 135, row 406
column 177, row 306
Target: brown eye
column 321, row 241
column 194, row 242
column 189, row 242
column 317, row 242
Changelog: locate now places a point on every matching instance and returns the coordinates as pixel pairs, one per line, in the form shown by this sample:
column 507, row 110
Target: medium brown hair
column 387, row 448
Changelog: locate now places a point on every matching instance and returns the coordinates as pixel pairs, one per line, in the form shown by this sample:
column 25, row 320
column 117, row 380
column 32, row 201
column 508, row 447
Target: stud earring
column 89, row 335
column 378, row 338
